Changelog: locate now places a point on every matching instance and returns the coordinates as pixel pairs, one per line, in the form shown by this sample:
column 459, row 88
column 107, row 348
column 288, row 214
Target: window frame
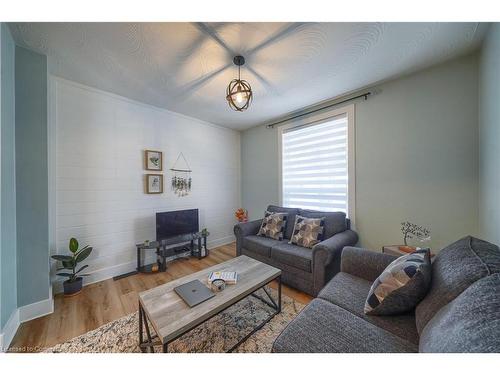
column 316, row 119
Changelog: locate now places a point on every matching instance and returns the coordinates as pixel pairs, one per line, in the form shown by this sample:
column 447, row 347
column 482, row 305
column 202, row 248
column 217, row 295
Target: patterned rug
column 216, row 335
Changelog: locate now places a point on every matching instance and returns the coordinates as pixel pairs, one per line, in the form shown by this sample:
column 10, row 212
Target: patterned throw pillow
column 307, row 232
column 402, row 285
column 273, row 225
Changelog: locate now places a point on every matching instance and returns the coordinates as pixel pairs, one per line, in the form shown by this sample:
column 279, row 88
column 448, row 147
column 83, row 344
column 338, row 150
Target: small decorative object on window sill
column 241, row 215
column 411, row 230
column 181, row 181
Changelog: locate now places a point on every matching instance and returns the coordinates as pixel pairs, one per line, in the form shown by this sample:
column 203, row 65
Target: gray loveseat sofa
column 460, row 313
column 305, row 269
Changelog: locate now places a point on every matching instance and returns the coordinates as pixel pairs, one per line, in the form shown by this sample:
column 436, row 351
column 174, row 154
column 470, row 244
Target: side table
column 199, row 251
column 160, row 257
column 395, row 250
column 176, row 246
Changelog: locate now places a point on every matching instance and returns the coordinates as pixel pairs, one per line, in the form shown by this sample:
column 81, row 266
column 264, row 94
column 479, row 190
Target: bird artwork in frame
column 154, row 184
column 153, row 160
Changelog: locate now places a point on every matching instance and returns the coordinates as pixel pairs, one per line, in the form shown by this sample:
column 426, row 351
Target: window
column 317, row 163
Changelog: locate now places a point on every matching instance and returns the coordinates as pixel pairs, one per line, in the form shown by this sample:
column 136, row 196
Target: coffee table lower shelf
column 146, row 343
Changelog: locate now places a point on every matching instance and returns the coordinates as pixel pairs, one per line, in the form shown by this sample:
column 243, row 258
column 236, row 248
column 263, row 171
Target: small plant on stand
column 73, row 285
column 410, row 231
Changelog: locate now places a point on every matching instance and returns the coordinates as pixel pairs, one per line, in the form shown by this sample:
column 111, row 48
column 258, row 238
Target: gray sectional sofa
column 460, row 313
column 305, row 269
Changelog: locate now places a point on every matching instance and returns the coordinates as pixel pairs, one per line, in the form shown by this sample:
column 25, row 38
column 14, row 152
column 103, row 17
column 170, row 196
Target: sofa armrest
column 242, row 230
column 326, row 257
column 248, row 228
column 325, row 251
column 363, row 263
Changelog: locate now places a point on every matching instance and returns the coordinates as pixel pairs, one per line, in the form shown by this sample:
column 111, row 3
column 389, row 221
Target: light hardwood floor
column 108, row 300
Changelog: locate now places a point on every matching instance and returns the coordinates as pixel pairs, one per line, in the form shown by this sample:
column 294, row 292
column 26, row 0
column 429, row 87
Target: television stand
column 192, row 244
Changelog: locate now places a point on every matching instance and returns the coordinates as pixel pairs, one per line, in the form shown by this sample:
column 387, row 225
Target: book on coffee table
column 228, row 276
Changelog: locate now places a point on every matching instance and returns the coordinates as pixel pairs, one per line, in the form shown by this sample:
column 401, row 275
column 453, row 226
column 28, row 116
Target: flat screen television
column 175, row 223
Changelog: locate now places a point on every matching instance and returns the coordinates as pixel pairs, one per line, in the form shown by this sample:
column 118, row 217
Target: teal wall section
column 31, row 177
column 416, row 157
column 489, row 130
column 8, row 184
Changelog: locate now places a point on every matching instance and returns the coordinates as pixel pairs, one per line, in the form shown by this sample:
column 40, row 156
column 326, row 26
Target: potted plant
column 73, row 285
column 411, row 230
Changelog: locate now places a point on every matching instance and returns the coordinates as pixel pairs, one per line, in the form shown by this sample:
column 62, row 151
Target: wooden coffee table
column 171, row 317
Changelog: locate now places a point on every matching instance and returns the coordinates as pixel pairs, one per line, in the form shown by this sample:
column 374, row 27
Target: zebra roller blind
column 315, row 166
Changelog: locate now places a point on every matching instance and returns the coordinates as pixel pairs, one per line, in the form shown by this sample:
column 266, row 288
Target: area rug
column 216, row 335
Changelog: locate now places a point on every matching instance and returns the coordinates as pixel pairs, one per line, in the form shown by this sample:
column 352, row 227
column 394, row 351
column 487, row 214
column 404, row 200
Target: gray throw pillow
column 402, row 285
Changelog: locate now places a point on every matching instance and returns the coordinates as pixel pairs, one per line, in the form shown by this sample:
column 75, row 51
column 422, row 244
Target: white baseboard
column 21, row 315
column 221, row 241
column 9, row 331
column 120, row 269
column 36, row 310
column 99, row 275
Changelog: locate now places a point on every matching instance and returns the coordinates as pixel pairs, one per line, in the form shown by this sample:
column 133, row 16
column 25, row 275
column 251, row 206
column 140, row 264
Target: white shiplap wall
column 99, row 183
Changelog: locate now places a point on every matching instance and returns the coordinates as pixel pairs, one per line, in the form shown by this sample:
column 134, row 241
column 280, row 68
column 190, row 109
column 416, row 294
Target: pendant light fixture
column 239, row 93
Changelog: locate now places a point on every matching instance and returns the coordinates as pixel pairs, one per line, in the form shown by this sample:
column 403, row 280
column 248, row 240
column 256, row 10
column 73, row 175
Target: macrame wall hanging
column 181, row 181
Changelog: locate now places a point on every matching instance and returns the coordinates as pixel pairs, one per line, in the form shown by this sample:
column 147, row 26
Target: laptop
column 194, row 292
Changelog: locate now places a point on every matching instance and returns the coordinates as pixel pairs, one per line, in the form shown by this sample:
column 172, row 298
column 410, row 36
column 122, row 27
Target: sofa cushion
column 273, row 225
column 322, row 327
column 454, row 269
column 470, row 323
column 401, row 286
column 307, row 232
column 335, row 222
column 292, row 255
column 291, row 217
column 259, row 245
column 349, row 292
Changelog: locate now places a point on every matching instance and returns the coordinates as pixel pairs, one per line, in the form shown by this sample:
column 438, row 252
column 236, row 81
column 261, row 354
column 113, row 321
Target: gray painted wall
column 8, row 184
column 31, row 177
column 259, row 170
column 489, row 130
column 416, row 157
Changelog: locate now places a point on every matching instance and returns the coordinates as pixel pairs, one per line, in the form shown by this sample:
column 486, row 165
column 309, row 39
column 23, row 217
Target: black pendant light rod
column 364, row 95
column 239, row 61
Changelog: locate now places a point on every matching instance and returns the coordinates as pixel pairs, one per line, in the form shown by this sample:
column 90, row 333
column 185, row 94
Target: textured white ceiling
column 185, row 67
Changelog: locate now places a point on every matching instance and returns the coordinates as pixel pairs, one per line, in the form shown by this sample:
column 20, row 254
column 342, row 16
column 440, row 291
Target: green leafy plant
column 70, row 262
column 205, row 232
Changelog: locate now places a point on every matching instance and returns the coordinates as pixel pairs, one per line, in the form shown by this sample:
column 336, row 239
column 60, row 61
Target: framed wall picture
column 153, row 160
column 154, row 183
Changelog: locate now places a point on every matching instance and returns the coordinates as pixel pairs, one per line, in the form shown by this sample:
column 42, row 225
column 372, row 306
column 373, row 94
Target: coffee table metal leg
column 279, row 293
column 148, row 333
column 143, row 323
column 165, row 348
column 273, row 304
column 141, row 338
